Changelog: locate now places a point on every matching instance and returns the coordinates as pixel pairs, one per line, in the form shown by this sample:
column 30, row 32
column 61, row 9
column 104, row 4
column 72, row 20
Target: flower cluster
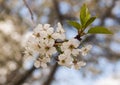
column 47, row 41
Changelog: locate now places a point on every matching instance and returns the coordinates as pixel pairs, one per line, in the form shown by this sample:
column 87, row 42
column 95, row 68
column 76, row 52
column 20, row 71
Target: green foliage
column 75, row 24
column 86, row 20
column 89, row 21
column 99, row 30
column 84, row 14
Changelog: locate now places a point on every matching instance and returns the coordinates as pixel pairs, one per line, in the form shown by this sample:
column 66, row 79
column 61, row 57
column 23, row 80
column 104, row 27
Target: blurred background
column 16, row 25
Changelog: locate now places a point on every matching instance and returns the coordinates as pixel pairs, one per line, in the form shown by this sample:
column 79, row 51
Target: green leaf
column 99, row 30
column 84, row 14
column 88, row 15
column 89, row 21
column 75, row 24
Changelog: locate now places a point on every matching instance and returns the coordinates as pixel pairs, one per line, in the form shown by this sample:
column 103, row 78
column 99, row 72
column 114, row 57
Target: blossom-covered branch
column 43, row 42
column 47, row 41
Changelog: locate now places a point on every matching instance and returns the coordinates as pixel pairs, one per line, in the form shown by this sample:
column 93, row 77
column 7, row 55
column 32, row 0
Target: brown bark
column 21, row 78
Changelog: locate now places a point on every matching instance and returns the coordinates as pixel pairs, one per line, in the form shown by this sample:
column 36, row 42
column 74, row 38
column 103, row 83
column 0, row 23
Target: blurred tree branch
column 21, row 78
column 31, row 13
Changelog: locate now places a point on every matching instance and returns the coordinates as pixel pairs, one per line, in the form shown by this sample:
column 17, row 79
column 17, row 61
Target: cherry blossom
column 47, row 48
column 85, row 50
column 43, row 42
column 42, row 62
column 60, row 32
column 65, row 60
column 78, row 64
column 70, row 47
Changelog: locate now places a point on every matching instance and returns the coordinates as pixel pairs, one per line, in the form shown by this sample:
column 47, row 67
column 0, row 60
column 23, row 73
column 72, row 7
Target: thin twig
column 30, row 10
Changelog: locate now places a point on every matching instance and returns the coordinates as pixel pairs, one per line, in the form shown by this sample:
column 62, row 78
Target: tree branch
column 29, row 9
column 19, row 79
column 51, row 76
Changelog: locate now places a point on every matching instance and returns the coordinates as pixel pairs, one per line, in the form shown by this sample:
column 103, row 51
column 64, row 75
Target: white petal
column 69, row 59
column 37, row 64
column 50, row 30
column 38, row 28
column 84, row 53
column 43, row 65
column 61, row 57
column 60, row 28
column 43, row 34
column 64, row 46
column 53, row 50
column 75, row 42
column 81, row 63
column 55, row 35
column 75, row 52
column 42, row 51
column 47, row 59
column 58, row 36
column 50, row 42
column 62, row 37
column 46, row 26
column 68, row 52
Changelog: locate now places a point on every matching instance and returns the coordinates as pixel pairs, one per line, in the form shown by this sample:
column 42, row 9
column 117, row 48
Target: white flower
column 47, row 48
column 50, row 34
column 85, row 50
column 40, row 30
column 60, row 28
column 70, row 44
column 46, row 27
column 41, row 27
column 37, row 30
column 32, row 44
column 70, row 47
column 43, row 31
column 60, row 32
column 65, row 60
column 78, row 65
column 47, row 32
column 37, row 64
column 59, row 36
column 43, row 42
column 42, row 62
